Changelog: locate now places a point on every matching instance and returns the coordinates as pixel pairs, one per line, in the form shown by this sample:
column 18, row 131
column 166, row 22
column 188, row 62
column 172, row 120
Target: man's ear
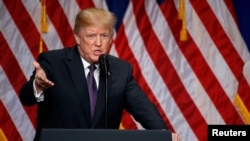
column 77, row 39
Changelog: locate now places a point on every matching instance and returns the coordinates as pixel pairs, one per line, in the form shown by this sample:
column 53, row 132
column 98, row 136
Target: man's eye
column 105, row 36
column 91, row 35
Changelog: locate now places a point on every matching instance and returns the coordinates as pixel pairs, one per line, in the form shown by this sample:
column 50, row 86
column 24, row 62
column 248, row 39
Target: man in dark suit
column 59, row 86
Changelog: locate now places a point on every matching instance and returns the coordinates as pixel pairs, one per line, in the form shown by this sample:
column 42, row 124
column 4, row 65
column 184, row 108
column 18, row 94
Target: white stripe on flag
column 12, row 104
column 230, row 27
column 151, row 74
column 51, row 38
column 71, row 9
column 16, row 42
column 212, row 56
column 186, row 75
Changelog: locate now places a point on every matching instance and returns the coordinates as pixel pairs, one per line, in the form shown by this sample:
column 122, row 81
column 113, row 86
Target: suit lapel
column 76, row 69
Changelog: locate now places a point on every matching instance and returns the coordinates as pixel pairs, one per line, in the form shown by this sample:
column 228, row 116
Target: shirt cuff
column 39, row 96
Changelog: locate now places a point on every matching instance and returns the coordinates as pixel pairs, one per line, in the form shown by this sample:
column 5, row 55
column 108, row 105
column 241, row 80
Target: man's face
column 92, row 42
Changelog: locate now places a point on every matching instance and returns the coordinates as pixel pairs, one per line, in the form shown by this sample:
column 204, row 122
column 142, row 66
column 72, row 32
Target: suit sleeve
column 140, row 107
column 27, row 93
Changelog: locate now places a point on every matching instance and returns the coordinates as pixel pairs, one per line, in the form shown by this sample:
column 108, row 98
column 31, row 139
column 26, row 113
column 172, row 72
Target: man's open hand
column 41, row 81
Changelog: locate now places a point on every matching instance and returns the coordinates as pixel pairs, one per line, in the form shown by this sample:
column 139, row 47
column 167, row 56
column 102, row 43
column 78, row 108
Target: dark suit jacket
column 66, row 104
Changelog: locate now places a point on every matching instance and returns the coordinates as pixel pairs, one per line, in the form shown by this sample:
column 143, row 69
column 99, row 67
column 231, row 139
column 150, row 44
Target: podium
column 104, row 135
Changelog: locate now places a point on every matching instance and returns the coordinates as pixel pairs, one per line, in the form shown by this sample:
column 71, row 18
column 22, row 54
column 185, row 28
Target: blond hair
column 95, row 16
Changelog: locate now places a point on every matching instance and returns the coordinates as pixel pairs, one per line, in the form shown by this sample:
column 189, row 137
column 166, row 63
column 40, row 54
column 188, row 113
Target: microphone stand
column 106, row 100
column 104, row 68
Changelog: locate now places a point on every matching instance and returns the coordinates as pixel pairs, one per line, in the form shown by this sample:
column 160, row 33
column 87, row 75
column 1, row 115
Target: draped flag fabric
column 195, row 81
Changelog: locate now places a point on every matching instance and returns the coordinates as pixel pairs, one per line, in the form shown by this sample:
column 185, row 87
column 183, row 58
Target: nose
column 98, row 41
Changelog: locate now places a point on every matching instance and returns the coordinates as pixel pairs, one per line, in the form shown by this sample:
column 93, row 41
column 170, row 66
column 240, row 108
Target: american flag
column 189, row 57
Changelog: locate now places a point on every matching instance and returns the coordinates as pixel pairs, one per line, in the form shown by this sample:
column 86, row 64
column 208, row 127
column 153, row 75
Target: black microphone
column 104, row 65
column 104, row 71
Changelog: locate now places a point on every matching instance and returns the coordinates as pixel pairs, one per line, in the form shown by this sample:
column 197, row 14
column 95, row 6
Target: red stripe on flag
column 17, row 78
column 27, row 28
column 178, row 91
column 205, row 75
column 124, row 52
column 230, row 7
column 60, row 22
column 85, row 4
column 127, row 121
column 224, row 45
column 7, row 125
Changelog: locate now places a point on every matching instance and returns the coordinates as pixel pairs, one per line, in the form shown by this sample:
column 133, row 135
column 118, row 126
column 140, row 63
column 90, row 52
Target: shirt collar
column 86, row 64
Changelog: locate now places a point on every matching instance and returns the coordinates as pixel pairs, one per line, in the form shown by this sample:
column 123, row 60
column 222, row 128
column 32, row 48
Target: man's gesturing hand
column 175, row 137
column 41, row 80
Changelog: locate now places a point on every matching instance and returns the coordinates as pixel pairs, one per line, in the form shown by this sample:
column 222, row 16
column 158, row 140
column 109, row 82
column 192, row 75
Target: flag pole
column 181, row 16
column 43, row 24
column 2, row 136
